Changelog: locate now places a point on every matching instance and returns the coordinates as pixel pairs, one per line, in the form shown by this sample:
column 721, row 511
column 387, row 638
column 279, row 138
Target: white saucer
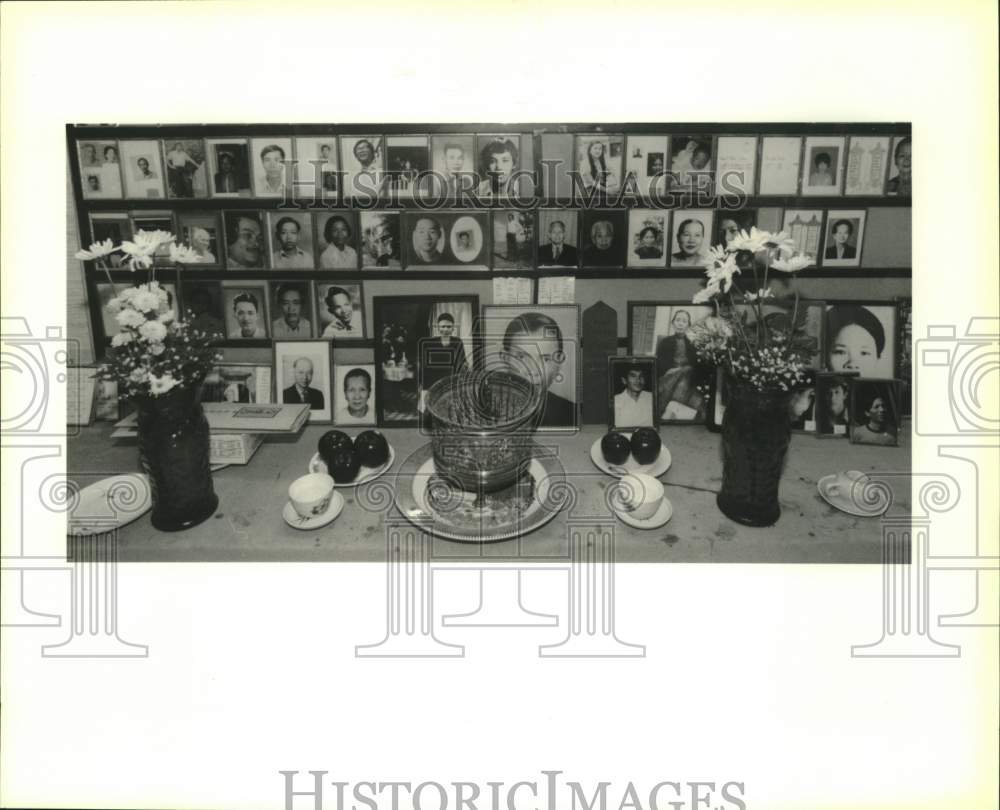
column 111, row 503
column 296, row 521
column 365, row 474
column 656, row 469
column 844, row 502
column 654, row 521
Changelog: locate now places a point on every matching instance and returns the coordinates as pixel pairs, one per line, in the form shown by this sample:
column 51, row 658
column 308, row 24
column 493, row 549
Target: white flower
column 755, row 241
column 157, row 348
column 160, row 385
column 716, row 253
column 146, row 301
column 153, row 331
column 121, row 339
column 140, row 251
column 114, row 305
column 792, row 264
column 183, row 255
column 760, row 294
column 781, row 241
column 139, row 375
column 130, row 318
column 98, row 250
column 703, row 296
column 167, row 316
column 721, row 275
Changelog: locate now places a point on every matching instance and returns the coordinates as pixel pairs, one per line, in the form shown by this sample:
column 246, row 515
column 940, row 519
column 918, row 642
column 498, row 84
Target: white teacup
column 640, row 495
column 310, row 495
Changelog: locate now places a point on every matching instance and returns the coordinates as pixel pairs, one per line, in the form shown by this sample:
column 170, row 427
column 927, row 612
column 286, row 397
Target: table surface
column 248, row 525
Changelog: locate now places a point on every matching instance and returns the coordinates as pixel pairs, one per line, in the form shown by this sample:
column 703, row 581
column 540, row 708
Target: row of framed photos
column 489, row 165
column 637, row 238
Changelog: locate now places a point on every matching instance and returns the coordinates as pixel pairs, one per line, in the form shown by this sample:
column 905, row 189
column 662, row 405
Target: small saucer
column 655, row 469
column 654, row 521
column 844, row 502
column 296, row 521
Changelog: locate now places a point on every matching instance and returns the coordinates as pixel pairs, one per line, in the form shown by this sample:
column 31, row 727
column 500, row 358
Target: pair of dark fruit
column 644, row 446
column 343, row 457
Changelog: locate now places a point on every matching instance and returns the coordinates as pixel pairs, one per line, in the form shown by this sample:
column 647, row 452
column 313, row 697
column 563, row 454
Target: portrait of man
column 245, row 239
column 453, row 163
column 301, row 390
column 230, row 168
column 270, row 155
column 291, row 303
column 875, row 412
column 630, row 381
column 558, row 229
column 441, row 355
column 843, row 238
column 143, row 173
column 317, row 166
column 901, row 173
column 605, row 237
column 380, row 239
column 340, row 311
column 291, row 239
column 833, row 396
column 336, row 251
column 246, row 317
column 428, row 241
column 113, row 226
column 238, row 382
column 363, row 159
column 99, row 169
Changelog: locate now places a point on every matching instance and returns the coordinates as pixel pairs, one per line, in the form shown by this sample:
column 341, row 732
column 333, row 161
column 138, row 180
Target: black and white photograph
column 810, row 319
column 114, row 226
column 729, row 224
column 805, row 228
column 199, row 230
column 822, row 166
column 416, row 331
column 691, row 163
column 155, row 220
column 802, row 407
column 446, row 239
column 290, row 240
column 604, row 237
column 660, row 329
column 453, row 160
column 143, row 169
column 647, row 237
column 845, row 231
column 354, row 395
column 599, row 160
column 316, row 163
column 228, row 166
column 407, row 158
column 875, row 413
column 363, row 160
column 541, row 344
column 868, row 159
column 691, row 237
column 558, row 238
column 735, row 165
column 100, row 169
column 900, row 180
column 106, row 291
column 341, row 308
column 380, row 240
column 270, row 158
column 513, row 239
column 631, row 392
column 499, row 158
column 245, row 308
column 780, row 162
column 292, row 310
column 245, row 245
column 646, row 159
column 833, row 404
column 203, row 306
column 336, row 240
column 239, row 382
column 861, row 337
column 302, row 374
column 187, row 169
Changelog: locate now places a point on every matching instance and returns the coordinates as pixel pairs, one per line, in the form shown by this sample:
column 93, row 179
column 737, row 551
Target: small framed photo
column 780, row 163
column 453, row 161
column 904, row 353
column 407, row 159
column 142, row 168
column 599, row 161
column 845, row 232
column 363, row 161
column 203, row 307
column 114, row 226
column 691, row 163
column 659, row 329
column 647, row 237
column 558, row 238
column 302, row 372
column 200, row 231
column 380, row 242
column 155, row 221
column 245, row 306
column 354, row 395
column 317, row 162
column 542, row 344
column 875, row 412
column 187, row 169
column 605, row 238
column 631, row 392
column 868, row 161
column 805, row 229
column 106, row 405
column 239, row 382
column 499, row 159
column 244, row 240
column 291, row 310
column 270, row 158
column 100, row 169
column 690, row 240
column 901, row 171
column 728, row 224
column 514, row 239
column 228, row 166
column 290, row 238
column 833, row 404
column 823, row 167
column 341, row 307
column 735, row 165
column 861, row 337
column 803, row 406
column 446, row 239
column 336, row 240
column 646, row 161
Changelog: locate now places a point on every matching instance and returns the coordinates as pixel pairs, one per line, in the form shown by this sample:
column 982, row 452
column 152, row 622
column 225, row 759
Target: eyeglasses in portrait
column 142, row 169
column 557, row 238
column 341, row 307
column 100, row 169
column 271, row 158
column 692, row 229
column 302, row 371
column 380, row 242
column 239, row 382
column 446, row 239
column 605, row 237
column 203, row 306
column 354, row 395
column 631, row 392
column 290, row 237
column 861, row 336
column 845, row 232
column 823, row 166
column 647, row 230
column 244, row 240
column 513, row 239
column 199, row 230
column 229, row 166
column 187, row 169
column 292, row 309
column 875, row 412
column 245, row 306
column 363, row 159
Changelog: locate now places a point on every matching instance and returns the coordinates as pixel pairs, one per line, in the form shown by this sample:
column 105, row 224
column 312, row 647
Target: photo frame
column 803, row 405
column 648, row 230
column 735, row 165
column 452, row 239
column 453, row 161
column 822, row 166
column 407, row 162
column 861, row 336
column 246, row 311
column 105, row 291
column 201, row 231
column 780, row 165
column 186, row 162
column 381, row 246
column 354, row 395
column 810, row 316
column 632, row 392
column 875, row 412
column 499, row 158
column 115, row 226
column 805, row 227
column 100, row 169
column 290, row 240
column 204, row 307
column 363, row 160
column 337, row 240
column 302, row 374
column 558, row 238
column 728, row 224
column 647, row 159
column 513, row 239
column 317, row 161
column 691, row 237
column 143, row 170
column 900, row 180
column 833, row 404
column 239, row 382
column 542, row 343
column 246, row 243
column 604, row 236
column 845, row 233
column 155, row 221
column 292, row 310
column 406, row 339
column 691, row 163
column 270, row 158
column 107, row 407
column 228, row 167
column 868, row 160
column 340, row 307
column 599, row 161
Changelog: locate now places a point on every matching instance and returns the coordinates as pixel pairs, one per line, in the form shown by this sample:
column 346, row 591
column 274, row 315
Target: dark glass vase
column 756, row 429
column 173, row 452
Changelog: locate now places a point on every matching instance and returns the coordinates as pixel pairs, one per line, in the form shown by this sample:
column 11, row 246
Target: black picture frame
column 320, row 354
column 876, row 418
column 618, row 366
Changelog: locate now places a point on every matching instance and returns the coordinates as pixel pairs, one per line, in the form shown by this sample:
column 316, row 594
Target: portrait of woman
column 844, row 235
column 604, row 238
column 336, row 251
column 730, row 223
column 690, row 238
column 823, row 166
column 802, row 408
column 599, row 161
column 647, row 232
column 498, row 160
column 901, row 172
column 646, row 161
column 859, row 338
column 875, row 409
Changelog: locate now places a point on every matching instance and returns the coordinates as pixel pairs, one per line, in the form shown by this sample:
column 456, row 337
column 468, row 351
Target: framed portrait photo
column 270, row 158
column 514, row 239
column 540, row 343
column 647, row 237
column 187, row 167
column 823, row 166
column 142, row 169
column 363, row 160
column 245, row 245
column 833, row 404
column 446, row 239
column 810, row 319
column 845, row 232
column 659, row 329
column 380, row 242
column 558, row 238
column 453, row 161
column 803, row 406
column 354, row 395
column 691, row 163
column 901, row 168
column 605, row 238
column 860, row 337
column 302, row 374
column 290, row 240
column 100, row 169
column 690, row 240
column 599, row 158
column 245, row 309
column 805, row 229
column 875, row 412
column 203, row 306
column 239, row 382
column 341, row 309
column 317, row 162
column 228, row 166
column 868, row 161
column 407, row 161
column 728, row 224
column 499, row 158
column 646, row 160
column 200, row 231
column 631, row 392
column 155, row 221
column 336, row 240
column 780, row 164
column 292, row 314
column 114, row 226
column 735, row 164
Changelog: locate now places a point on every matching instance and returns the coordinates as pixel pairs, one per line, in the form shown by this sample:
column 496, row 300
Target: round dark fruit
column 344, row 465
column 330, row 442
column 646, row 445
column 372, row 448
column 615, row 447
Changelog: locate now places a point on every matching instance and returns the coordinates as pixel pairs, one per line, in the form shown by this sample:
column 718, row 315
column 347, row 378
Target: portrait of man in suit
column 557, row 253
column 301, row 390
column 842, row 231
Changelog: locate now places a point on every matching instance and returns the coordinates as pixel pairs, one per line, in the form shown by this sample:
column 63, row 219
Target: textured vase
column 174, row 453
column 756, row 429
